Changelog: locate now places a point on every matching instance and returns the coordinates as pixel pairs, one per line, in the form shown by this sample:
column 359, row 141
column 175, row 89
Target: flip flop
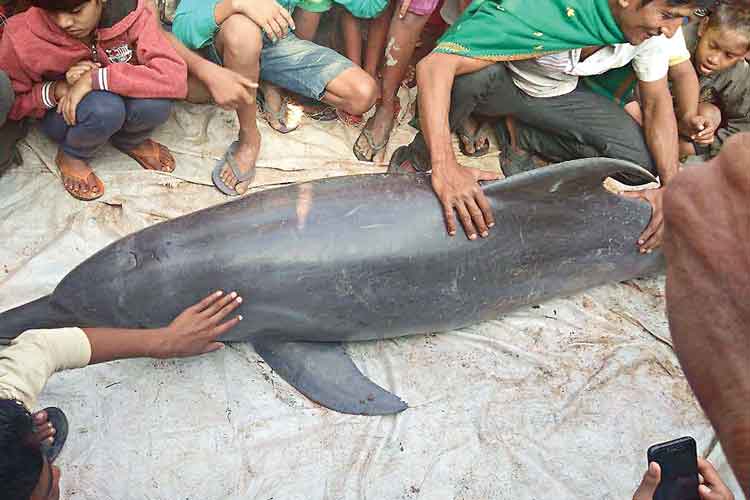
column 238, row 174
column 59, row 421
column 376, row 148
column 512, row 162
column 465, row 136
column 324, row 114
column 278, row 116
column 404, row 161
column 155, row 153
column 83, row 197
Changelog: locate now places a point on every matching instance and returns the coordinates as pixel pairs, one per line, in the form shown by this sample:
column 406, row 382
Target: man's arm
column 686, row 90
column 708, row 281
column 195, row 331
column 456, row 187
column 229, row 90
column 660, row 129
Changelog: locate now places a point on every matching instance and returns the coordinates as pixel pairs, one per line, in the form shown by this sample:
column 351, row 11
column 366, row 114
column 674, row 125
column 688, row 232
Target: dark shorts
column 298, row 65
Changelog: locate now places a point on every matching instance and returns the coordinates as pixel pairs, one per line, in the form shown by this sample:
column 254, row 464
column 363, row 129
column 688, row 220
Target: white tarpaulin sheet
column 558, row 401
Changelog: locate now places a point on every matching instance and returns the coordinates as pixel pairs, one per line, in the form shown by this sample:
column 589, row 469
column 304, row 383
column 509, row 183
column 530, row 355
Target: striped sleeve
column 100, row 79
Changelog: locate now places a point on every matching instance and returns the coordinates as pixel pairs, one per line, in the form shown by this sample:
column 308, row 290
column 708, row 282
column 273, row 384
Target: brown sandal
column 88, row 196
column 153, row 160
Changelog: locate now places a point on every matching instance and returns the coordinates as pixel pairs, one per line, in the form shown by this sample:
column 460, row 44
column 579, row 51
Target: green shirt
column 195, row 23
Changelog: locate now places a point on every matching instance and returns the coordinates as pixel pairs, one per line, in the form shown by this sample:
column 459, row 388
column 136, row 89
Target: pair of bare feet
column 82, row 183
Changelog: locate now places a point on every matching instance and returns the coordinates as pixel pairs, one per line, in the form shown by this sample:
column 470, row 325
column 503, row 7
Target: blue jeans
column 294, row 64
column 103, row 116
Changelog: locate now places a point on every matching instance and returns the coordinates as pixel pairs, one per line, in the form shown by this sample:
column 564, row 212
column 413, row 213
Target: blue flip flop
column 59, row 422
column 239, row 175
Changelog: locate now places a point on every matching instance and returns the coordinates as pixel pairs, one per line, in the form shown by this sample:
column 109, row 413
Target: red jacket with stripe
column 136, row 59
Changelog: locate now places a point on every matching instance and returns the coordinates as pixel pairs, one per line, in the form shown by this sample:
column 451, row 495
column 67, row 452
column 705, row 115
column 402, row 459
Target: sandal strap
column 238, row 174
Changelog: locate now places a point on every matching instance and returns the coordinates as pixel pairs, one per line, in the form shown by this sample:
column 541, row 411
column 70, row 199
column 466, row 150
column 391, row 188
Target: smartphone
column 678, row 460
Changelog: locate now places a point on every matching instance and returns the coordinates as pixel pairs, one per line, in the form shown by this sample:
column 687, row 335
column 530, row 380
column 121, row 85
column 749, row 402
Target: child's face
column 719, row 49
column 81, row 21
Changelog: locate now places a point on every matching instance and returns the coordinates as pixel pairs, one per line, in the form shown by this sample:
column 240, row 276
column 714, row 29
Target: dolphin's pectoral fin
column 325, row 373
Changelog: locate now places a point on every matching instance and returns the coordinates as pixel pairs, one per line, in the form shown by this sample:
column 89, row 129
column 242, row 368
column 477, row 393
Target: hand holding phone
column 678, row 464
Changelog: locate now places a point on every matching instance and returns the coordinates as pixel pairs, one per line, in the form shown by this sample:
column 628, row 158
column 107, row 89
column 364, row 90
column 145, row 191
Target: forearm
column 660, row 129
column 686, row 89
column 108, row 344
column 435, row 82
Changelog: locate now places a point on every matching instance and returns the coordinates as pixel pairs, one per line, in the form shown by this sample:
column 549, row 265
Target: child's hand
column 700, row 129
column 78, row 69
column 61, row 90
column 196, row 329
column 68, row 104
column 271, row 17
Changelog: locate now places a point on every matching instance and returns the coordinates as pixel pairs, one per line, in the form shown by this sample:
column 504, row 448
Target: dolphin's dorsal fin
column 325, row 373
column 569, row 176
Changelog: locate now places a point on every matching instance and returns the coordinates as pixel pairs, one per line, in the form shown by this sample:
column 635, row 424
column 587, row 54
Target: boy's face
column 719, row 49
column 81, row 21
column 48, row 487
column 640, row 22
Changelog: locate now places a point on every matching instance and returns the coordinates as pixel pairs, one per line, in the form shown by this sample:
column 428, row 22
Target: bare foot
column 473, row 137
column 376, row 133
column 245, row 156
column 275, row 109
column 43, row 433
column 78, row 177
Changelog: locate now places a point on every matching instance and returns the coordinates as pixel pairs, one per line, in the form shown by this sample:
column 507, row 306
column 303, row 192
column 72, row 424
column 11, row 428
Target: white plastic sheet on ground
column 558, row 401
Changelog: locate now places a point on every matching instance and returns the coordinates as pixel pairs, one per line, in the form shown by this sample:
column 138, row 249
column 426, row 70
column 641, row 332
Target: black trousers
column 581, row 124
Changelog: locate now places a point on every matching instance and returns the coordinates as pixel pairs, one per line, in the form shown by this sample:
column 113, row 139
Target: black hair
column 58, row 5
column 20, row 461
column 732, row 15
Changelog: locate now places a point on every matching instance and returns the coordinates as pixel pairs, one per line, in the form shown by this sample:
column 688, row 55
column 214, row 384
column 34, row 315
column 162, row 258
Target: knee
column 156, row 111
column 102, row 110
column 363, row 94
column 241, row 38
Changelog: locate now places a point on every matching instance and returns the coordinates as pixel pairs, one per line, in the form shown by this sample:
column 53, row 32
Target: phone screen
column 679, row 471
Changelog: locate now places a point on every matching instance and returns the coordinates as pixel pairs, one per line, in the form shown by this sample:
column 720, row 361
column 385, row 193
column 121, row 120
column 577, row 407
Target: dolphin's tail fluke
column 40, row 313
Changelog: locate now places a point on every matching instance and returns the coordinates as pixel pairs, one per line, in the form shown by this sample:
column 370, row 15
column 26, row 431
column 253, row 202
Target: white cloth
column 557, row 74
column 34, row 356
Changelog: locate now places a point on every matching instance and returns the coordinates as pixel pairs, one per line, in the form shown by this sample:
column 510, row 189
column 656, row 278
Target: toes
column 40, row 417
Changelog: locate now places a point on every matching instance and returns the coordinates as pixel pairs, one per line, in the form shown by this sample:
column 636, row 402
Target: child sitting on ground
column 93, row 71
column 718, row 44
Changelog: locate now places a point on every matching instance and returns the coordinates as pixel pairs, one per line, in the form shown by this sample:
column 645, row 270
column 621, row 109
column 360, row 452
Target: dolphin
column 358, row 258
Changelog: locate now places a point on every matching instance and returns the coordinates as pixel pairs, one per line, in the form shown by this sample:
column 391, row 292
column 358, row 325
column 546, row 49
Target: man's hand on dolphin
column 458, row 189
column 652, row 236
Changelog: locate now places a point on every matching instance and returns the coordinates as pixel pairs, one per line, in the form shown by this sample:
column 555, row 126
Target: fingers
column 477, row 216
column 247, row 82
column 484, row 206
column 215, row 307
column 225, row 327
column 277, row 28
column 450, row 221
column 213, row 346
column 288, row 17
column 649, row 483
column 269, row 31
column 706, row 493
column 651, row 237
column 486, row 175
column 225, row 310
column 466, row 220
column 206, row 302
column 404, row 8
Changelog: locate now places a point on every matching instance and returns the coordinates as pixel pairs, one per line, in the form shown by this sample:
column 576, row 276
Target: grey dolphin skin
column 358, row 258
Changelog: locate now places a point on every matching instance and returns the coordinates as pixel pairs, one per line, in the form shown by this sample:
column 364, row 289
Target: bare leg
column 402, row 40
column 706, row 209
column 306, row 24
column 376, row 36
column 350, row 25
column 353, row 91
column 239, row 40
